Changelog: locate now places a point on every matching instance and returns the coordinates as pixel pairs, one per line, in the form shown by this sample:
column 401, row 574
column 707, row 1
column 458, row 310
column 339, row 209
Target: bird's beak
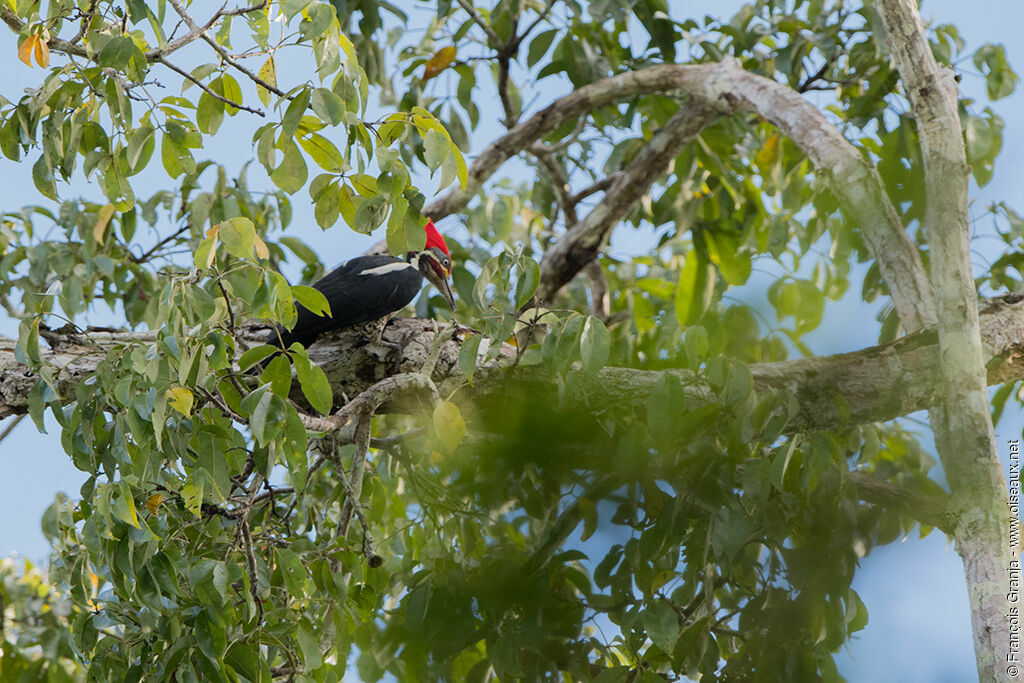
column 441, row 282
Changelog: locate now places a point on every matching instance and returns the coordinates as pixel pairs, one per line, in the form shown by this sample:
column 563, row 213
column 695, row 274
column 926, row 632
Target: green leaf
column 140, row 146
column 733, row 261
column 662, row 624
column 176, row 158
column 211, row 637
column 278, row 374
column 539, row 46
column 239, row 236
column 312, row 381
column 37, row 405
column 526, row 283
column 42, row 176
column 312, row 299
column 695, row 343
column 291, row 174
column 328, row 106
column 694, row 290
column 595, row 345
column 436, row 148
column 323, row 152
column 124, row 505
column 468, row 355
column 1000, row 78
column 311, row 655
column 739, row 383
column 293, row 572
column 293, row 114
column 209, row 113
column 780, row 464
column 255, row 355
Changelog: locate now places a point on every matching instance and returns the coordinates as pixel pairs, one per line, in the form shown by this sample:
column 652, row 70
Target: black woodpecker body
column 365, row 292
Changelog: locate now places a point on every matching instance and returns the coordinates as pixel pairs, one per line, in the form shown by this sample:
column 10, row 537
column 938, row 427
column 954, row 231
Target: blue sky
column 919, row 627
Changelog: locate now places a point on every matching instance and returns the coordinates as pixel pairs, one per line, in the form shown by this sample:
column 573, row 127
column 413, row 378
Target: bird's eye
column 446, row 263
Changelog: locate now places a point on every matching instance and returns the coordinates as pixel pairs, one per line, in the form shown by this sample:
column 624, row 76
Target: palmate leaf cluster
column 521, row 536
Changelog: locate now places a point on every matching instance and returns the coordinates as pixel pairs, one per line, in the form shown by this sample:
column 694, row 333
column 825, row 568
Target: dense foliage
column 218, row 534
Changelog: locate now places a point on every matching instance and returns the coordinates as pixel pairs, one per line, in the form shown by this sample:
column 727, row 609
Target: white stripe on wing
column 387, row 268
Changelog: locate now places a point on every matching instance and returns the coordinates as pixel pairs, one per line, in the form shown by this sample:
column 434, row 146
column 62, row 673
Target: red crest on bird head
column 434, row 238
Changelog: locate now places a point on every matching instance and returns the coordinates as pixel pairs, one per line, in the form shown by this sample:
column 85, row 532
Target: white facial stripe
column 387, row 268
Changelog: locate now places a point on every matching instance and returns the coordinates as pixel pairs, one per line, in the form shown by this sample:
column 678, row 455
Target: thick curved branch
column 580, row 244
column 964, row 434
column 727, row 85
column 874, row 384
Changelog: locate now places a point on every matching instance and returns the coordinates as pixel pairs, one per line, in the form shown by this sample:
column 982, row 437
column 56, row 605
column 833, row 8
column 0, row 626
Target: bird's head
column 436, row 263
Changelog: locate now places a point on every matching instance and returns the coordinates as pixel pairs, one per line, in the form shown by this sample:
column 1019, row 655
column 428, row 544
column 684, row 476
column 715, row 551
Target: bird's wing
column 363, row 289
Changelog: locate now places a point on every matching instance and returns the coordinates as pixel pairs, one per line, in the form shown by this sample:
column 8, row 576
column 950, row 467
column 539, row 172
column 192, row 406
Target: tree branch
column 12, row 20
column 580, row 244
column 727, row 86
column 874, row 384
column 961, row 420
column 217, row 96
column 479, row 21
column 193, row 27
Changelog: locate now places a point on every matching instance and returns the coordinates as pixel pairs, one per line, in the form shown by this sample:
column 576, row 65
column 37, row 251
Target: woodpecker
column 365, row 292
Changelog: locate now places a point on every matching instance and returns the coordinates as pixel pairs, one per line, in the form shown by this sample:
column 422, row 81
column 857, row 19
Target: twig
column 156, row 54
column 353, row 488
column 156, row 247
column 250, row 564
column 10, row 427
column 600, row 304
column 354, row 484
column 559, row 181
column 271, row 492
column 11, row 309
column 8, row 16
column 564, row 259
column 209, row 91
column 599, row 186
column 382, row 443
column 191, row 23
column 479, row 21
column 370, row 399
column 227, row 302
column 84, row 23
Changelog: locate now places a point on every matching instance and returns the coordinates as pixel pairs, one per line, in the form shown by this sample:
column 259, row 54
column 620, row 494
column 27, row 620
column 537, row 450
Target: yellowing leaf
column 25, row 51
column 181, row 400
column 449, row 425
column 261, row 247
column 123, row 506
column 42, row 53
column 153, row 502
column 440, row 61
column 267, row 74
column 769, row 155
column 103, row 217
column 206, row 252
column 192, row 494
column 348, row 48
